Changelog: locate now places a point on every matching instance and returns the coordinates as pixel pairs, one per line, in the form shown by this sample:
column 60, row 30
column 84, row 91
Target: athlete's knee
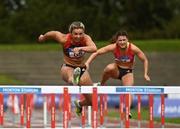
column 70, row 80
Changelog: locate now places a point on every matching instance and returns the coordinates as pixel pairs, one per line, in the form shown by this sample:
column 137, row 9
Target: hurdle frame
column 95, row 90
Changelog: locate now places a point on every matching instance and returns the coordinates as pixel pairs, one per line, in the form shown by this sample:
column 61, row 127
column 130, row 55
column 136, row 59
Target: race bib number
column 75, row 55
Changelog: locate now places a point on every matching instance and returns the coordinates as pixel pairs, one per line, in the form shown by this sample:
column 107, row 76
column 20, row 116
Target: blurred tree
column 143, row 15
column 14, row 5
column 24, row 20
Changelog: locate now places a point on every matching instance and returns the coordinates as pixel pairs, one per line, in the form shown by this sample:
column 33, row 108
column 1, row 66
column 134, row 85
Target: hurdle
column 95, row 91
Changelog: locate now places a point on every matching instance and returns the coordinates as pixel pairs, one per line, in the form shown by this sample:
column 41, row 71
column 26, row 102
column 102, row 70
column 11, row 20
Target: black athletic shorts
column 123, row 72
column 83, row 68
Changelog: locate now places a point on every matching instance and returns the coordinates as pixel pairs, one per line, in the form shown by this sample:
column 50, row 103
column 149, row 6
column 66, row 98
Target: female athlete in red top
column 124, row 53
column 75, row 44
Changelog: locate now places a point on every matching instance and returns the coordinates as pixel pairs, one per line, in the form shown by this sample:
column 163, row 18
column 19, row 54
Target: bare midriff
column 125, row 65
column 74, row 61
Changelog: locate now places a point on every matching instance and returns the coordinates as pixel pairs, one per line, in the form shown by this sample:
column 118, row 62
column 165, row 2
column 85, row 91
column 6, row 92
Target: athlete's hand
column 147, row 78
column 76, row 50
column 41, row 38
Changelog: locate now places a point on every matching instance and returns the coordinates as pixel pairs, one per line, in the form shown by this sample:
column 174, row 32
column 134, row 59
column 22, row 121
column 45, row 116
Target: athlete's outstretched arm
column 55, row 35
column 144, row 59
column 90, row 46
column 100, row 51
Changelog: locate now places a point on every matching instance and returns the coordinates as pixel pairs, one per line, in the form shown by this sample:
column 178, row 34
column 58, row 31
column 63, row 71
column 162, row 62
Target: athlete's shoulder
column 132, row 45
column 65, row 37
column 135, row 48
column 87, row 37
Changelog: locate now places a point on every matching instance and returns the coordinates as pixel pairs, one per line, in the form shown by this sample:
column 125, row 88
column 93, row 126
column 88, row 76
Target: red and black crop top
column 69, row 46
column 127, row 57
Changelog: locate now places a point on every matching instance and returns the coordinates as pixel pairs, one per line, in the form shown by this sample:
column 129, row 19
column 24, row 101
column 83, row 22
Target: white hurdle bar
column 23, row 89
column 94, row 90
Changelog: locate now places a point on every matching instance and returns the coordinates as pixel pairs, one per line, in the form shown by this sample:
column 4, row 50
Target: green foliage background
column 142, row 19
